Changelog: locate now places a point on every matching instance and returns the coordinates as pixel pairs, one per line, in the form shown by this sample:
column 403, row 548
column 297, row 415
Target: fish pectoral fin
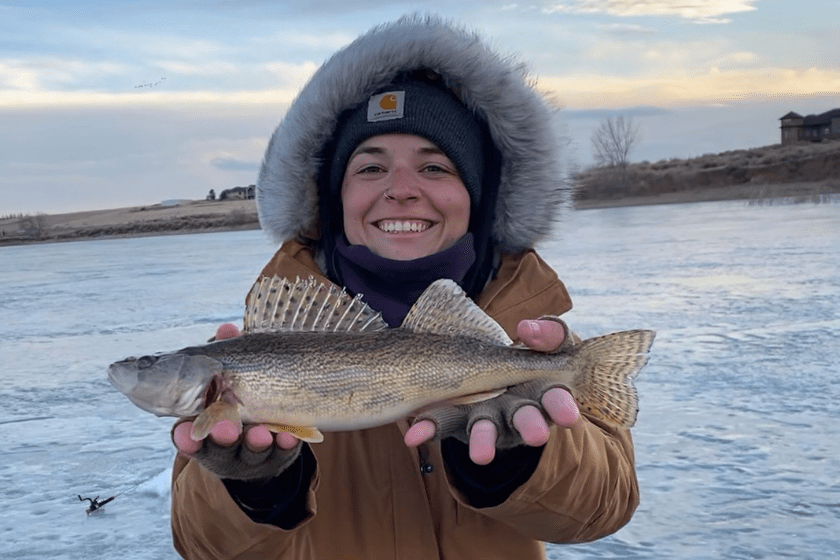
column 309, row 435
column 476, row 397
column 219, row 410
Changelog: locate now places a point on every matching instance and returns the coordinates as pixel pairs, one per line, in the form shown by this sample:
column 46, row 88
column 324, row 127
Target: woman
column 414, row 154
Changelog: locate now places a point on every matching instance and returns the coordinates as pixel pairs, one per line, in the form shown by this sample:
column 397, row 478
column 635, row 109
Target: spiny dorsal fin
column 279, row 305
column 444, row 308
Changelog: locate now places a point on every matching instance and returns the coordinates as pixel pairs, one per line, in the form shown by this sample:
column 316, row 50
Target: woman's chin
column 406, row 248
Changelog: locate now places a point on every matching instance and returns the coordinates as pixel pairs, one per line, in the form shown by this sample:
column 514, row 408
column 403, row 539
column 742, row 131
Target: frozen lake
column 736, row 450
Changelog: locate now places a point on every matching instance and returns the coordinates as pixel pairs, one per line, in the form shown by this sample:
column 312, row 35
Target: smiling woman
column 413, row 155
column 403, row 198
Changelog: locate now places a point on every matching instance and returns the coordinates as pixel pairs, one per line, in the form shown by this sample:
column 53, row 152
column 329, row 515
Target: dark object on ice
column 95, row 504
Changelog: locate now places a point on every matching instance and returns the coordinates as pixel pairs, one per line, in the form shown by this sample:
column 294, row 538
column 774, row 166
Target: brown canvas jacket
column 369, row 500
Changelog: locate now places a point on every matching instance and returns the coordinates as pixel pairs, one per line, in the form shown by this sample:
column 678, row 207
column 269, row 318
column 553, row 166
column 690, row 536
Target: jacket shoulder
column 525, row 287
column 293, row 258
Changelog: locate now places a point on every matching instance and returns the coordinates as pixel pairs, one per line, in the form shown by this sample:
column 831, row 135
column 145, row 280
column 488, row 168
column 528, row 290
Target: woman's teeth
column 396, row 227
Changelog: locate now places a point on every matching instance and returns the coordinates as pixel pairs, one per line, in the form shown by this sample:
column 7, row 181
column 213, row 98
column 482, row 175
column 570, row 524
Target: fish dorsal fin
column 280, row 305
column 444, row 308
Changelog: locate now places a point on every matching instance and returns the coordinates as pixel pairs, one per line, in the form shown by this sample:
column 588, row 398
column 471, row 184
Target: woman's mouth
column 403, row 226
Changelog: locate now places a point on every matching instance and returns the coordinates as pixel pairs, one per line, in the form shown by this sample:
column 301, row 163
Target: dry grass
column 804, row 162
column 196, row 216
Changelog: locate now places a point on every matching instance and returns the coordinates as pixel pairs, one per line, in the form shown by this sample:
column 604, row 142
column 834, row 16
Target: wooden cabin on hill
column 238, row 193
column 814, row 128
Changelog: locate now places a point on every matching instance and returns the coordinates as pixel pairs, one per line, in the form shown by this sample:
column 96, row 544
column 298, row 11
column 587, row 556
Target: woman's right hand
column 227, row 453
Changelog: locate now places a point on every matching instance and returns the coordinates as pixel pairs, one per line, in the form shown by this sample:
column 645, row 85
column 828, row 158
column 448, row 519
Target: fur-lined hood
column 533, row 187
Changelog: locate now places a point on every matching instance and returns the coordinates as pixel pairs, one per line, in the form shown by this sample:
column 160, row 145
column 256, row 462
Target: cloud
column 597, row 114
column 206, row 68
column 291, row 74
column 626, row 29
column 233, row 164
column 691, row 56
column 44, row 72
column 232, row 154
column 139, row 97
column 590, row 91
column 628, row 56
column 698, row 11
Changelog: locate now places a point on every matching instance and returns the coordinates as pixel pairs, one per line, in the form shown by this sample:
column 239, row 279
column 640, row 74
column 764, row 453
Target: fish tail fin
column 608, row 364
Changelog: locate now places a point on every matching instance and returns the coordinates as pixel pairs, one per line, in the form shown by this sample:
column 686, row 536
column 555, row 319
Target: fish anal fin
column 445, row 309
column 215, row 412
column 472, row 398
column 476, row 397
column 309, row 435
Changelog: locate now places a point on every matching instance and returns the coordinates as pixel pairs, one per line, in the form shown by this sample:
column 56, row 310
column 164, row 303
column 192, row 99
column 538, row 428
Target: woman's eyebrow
column 434, row 150
column 378, row 150
column 375, row 150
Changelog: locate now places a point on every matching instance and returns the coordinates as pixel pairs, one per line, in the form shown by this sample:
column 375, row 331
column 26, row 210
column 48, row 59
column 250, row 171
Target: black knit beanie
column 420, row 107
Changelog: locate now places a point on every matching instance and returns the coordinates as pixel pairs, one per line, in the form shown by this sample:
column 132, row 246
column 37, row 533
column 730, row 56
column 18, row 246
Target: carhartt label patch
column 386, row 106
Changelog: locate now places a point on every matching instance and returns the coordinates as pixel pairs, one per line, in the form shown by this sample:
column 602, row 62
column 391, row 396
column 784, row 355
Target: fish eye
column 146, row 362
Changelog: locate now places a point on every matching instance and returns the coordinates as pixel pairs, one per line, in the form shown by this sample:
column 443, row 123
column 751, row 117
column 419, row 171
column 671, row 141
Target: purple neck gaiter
column 392, row 286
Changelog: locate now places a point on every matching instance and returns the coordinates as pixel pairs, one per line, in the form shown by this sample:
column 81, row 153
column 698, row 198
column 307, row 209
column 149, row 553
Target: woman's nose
column 403, row 186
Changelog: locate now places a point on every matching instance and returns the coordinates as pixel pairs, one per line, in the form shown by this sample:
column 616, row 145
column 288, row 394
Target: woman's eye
column 436, row 168
column 369, row 169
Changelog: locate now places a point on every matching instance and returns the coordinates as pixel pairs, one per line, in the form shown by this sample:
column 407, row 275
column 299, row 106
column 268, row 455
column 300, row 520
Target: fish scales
column 313, row 357
column 340, row 381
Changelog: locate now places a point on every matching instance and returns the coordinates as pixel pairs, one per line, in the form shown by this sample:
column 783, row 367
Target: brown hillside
column 799, row 163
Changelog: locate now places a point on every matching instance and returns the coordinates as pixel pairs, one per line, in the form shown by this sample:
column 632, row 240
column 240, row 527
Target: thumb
column 182, row 440
column 228, row 330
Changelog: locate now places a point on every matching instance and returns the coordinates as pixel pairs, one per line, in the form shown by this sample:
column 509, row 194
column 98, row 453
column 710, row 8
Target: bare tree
column 613, row 141
column 33, row 227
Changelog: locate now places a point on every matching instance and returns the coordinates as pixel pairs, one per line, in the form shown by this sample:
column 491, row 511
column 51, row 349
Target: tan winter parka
column 369, row 500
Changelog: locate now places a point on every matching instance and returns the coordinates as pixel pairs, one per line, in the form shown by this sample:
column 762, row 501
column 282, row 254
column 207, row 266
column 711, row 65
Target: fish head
column 166, row 384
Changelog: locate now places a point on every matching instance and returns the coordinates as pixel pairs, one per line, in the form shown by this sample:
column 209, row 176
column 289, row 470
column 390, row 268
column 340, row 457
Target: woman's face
column 403, row 198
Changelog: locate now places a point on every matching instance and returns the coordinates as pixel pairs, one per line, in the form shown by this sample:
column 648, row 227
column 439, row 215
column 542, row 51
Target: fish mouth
column 117, row 377
column 403, row 225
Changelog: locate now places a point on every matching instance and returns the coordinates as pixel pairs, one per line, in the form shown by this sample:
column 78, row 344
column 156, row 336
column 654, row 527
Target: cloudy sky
column 107, row 104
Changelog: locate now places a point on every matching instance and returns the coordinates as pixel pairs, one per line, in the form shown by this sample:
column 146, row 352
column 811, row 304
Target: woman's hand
column 228, row 453
column 516, row 417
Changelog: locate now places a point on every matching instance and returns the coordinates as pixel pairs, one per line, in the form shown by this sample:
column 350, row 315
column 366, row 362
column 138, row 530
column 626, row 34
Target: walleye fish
column 314, row 358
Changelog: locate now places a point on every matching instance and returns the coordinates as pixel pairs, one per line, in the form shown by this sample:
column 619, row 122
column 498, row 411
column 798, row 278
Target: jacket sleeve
column 208, row 520
column 208, row 525
column 583, row 488
column 582, row 483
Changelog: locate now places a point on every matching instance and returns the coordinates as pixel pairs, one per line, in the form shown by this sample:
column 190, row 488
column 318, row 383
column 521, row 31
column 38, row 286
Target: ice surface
column 735, row 444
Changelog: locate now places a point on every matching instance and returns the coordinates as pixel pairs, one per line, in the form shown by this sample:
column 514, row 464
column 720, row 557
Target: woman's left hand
column 529, row 403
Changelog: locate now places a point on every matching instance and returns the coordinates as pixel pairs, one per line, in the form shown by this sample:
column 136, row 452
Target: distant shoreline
column 810, row 191
column 236, row 215
column 197, row 216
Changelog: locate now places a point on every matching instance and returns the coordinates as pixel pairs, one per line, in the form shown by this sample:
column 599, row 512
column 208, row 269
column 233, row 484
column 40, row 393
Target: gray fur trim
column 522, row 123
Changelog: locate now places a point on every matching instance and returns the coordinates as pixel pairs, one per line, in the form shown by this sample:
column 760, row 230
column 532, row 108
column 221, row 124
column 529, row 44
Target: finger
column 224, row 433
column 561, row 407
column 531, row 425
column 286, row 440
column 541, row 335
column 228, row 330
column 421, row 432
column 182, row 440
column 483, row 442
column 258, row 438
